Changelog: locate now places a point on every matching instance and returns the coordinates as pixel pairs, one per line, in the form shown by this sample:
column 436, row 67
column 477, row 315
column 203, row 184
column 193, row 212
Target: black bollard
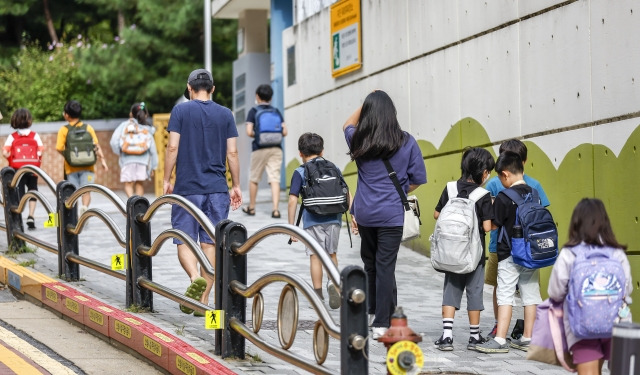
column 625, row 349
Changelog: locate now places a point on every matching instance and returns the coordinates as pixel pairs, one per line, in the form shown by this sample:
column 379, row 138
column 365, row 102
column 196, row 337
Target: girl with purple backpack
column 590, row 237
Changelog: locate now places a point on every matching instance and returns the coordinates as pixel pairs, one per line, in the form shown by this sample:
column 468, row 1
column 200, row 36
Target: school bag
column 596, row 291
column 538, row 246
column 135, row 139
column 324, row 191
column 79, row 150
column 24, row 150
column 455, row 243
column 267, row 127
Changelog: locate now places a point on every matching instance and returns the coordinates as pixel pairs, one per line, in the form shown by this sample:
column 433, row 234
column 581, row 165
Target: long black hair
column 378, row 134
column 475, row 161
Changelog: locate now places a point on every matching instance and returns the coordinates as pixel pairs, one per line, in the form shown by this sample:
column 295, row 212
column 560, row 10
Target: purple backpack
column 596, row 291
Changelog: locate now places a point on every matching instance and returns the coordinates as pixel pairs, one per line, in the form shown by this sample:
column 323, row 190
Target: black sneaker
column 444, row 344
column 31, row 224
column 473, row 342
column 518, row 329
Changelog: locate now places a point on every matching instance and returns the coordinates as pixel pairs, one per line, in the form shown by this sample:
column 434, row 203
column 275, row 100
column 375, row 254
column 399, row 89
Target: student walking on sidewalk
column 373, row 134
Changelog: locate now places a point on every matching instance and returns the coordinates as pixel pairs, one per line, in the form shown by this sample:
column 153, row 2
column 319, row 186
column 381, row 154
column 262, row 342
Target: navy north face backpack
column 538, row 246
column 268, row 127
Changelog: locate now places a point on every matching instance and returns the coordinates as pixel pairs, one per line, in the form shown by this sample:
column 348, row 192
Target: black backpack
column 324, row 191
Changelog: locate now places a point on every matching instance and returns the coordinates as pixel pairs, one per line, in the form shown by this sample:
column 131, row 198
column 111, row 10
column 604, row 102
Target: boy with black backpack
column 24, row 147
column 519, row 222
column 325, row 197
column 78, row 143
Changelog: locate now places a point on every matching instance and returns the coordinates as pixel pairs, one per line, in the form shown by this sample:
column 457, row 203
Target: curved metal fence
column 230, row 271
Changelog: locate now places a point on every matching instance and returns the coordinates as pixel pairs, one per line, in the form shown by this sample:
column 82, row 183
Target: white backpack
column 455, row 243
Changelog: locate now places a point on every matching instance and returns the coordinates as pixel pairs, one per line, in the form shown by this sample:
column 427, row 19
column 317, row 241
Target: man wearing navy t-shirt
column 202, row 138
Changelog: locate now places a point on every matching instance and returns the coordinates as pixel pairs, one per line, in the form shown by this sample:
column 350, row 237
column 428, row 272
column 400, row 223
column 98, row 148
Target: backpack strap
column 478, row 193
column 394, row 178
column 452, row 189
column 514, row 196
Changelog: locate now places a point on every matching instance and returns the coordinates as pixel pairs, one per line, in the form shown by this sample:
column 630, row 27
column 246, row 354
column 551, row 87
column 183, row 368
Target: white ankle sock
column 447, row 328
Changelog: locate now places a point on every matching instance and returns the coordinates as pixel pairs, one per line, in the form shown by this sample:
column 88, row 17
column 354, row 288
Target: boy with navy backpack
column 325, row 197
column 266, row 126
column 510, row 170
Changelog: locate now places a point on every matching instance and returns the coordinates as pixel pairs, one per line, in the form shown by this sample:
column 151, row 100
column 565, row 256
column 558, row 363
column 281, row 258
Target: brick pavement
column 419, row 293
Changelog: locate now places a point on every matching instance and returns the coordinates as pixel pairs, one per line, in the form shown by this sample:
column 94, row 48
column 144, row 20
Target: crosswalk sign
column 214, row 319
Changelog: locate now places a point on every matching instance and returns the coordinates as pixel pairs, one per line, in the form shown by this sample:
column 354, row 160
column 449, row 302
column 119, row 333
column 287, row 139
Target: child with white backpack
column 463, row 213
column 592, row 276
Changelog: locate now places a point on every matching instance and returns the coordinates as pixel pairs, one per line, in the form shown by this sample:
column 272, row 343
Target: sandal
column 249, row 211
column 275, row 214
column 194, row 291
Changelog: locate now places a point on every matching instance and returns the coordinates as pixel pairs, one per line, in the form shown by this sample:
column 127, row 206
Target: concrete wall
column 558, row 74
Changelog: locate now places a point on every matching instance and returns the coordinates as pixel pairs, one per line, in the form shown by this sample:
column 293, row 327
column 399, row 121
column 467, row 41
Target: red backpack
column 24, row 150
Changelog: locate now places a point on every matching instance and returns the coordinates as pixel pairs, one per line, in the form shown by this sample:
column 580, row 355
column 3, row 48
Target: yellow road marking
column 15, row 363
column 28, row 350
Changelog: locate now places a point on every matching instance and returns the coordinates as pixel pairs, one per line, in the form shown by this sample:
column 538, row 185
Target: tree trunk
column 120, row 22
column 47, row 16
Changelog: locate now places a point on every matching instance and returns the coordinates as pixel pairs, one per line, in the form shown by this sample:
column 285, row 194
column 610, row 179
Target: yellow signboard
column 118, row 262
column 52, row 222
column 214, row 319
column 346, row 38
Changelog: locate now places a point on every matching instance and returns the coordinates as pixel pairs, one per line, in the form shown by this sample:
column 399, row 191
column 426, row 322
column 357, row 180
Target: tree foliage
column 102, row 64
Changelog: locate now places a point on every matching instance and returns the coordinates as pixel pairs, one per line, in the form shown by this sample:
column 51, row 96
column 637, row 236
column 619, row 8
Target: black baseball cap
column 198, row 74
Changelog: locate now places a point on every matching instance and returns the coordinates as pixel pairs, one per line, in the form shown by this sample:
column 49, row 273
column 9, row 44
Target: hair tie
column 141, row 105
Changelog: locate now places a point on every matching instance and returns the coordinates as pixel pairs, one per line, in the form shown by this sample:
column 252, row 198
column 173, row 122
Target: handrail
column 99, row 189
column 168, row 234
column 304, row 237
column 34, row 194
column 172, row 295
column 298, row 283
column 303, row 363
column 99, row 213
column 95, row 265
column 31, row 168
column 204, row 222
column 32, row 240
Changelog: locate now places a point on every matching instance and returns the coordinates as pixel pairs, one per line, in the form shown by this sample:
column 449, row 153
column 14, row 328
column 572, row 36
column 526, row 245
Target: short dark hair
column 265, row 92
column 201, row 85
column 21, row 119
column 140, row 113
column 73, row 108
column 474, row 162
column 590, row 223
column 310, row 144
column 514, row 145
column 509, row 161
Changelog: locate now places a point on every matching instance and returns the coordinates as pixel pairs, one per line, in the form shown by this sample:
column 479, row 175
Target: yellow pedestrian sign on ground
column 214, row 319
column 118, row 262
column 52, row 222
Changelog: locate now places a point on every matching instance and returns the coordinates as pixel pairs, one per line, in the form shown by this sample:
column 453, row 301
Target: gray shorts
column 455, row 284
column 82, row 178
column 327, row 235
column 510, row 275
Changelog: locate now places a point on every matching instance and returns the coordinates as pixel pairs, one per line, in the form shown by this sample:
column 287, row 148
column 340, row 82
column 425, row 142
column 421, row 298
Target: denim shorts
column 81, row 178
column 215, row 207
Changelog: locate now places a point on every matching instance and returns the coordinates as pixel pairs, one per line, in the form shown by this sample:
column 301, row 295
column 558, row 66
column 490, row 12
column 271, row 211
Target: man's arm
column 170, row 161
column 234, row 169
column 100, row 155
column 249, row 128
column 284, row 130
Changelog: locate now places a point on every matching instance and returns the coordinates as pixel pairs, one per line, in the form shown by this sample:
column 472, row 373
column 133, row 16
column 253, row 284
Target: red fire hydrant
column 403, row 354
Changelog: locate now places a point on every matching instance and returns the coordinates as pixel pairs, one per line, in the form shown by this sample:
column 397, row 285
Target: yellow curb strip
column 51, row 365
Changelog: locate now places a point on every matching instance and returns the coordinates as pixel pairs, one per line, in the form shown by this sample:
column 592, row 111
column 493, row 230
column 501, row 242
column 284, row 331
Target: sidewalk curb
column 161, row 348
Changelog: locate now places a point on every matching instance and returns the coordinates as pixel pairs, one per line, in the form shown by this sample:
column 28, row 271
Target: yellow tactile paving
column 21, row 366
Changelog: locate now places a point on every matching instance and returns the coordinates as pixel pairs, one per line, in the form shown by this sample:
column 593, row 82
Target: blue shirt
column 310, row 219
column 495, row 186
column 377, row 202
column 204, row 127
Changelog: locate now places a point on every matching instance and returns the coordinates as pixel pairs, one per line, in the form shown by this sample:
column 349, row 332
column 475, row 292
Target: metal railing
column 231, row 289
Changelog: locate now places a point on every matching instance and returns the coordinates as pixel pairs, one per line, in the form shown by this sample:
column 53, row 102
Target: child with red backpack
column 24, row 147
column 592, row 276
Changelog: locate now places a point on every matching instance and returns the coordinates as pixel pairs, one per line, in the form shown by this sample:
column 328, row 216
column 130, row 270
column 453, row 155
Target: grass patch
column 16, row 249
column 255, row 358
column 27, row 263
column 180, row 331
column 137, row 309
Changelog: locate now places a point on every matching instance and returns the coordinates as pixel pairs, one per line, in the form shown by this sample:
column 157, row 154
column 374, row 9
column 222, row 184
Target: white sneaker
column 334, row 295
column 377, row 332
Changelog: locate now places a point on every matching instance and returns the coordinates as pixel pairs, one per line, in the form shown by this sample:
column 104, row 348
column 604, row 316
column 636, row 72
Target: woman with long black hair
column 374, row 134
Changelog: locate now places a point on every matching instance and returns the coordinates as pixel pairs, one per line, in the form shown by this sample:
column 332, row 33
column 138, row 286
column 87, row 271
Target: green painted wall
column 588, row 170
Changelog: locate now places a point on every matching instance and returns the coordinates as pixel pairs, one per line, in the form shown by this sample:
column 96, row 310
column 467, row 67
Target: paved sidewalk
column 419, row 293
